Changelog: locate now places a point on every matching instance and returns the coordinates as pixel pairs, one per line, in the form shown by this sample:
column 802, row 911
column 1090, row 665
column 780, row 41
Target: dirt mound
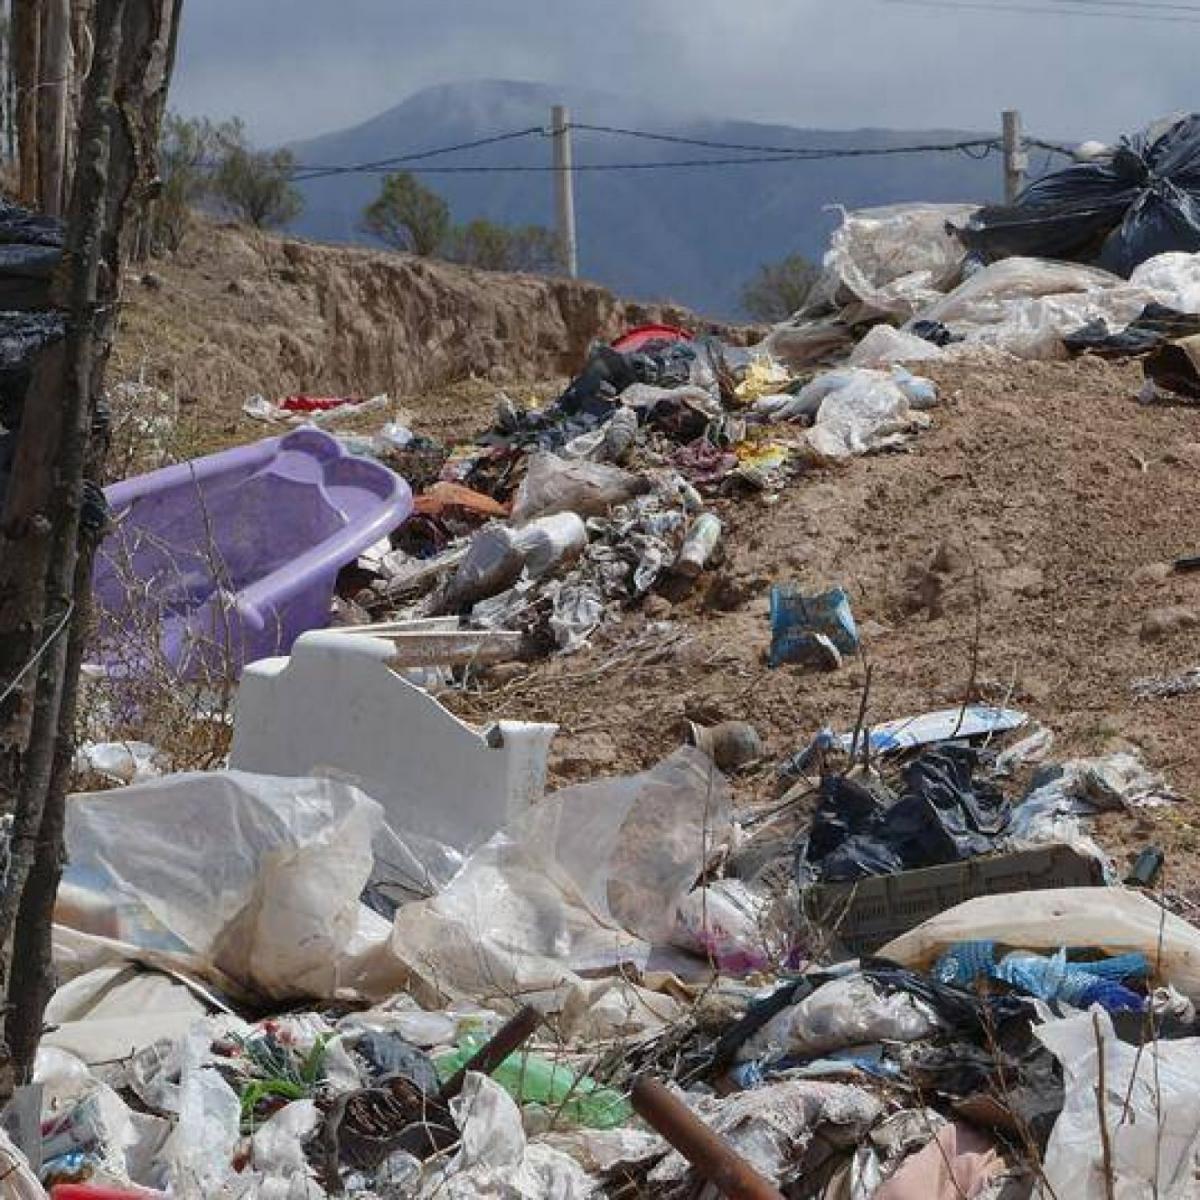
column 236, row 313
column 1016, row 550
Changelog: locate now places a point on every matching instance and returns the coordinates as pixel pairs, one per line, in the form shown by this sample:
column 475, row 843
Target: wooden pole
column 27, row 41
column 1015, row 159
column 564, row 188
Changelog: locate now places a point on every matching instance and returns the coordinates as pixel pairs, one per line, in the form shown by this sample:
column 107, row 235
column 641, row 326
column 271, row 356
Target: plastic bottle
column 529, row 1078
column 698, row 546
column 1056, row 979
column 965, row 962
column 547, row 541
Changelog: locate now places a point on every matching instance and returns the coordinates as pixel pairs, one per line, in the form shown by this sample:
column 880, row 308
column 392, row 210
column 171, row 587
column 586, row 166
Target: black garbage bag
column 943, row 815
column 23, row 337
column 1115, row 213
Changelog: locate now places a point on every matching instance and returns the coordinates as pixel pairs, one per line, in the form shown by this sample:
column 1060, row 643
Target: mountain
column 691, row 235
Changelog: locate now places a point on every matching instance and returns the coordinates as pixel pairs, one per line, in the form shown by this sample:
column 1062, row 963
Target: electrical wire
column 1046, row 10
column 593, row 168
column 810, row 151
column 977, row 148
column 37, row 654
column 318, row 172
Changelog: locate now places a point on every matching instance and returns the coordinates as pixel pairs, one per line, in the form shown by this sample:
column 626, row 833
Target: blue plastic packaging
column 797, row 620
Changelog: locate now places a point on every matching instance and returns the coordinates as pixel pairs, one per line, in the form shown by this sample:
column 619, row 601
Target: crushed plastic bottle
column 530, row 1079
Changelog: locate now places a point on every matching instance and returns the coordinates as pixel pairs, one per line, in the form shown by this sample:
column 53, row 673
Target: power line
column 1045, row 10
column 319, row 172
column 977, row 148
column 806, row 151
column 1136, row 4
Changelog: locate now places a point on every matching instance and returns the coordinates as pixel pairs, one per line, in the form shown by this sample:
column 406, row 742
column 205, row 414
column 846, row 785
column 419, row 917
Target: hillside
column 236, row 313
column 690, row 235
column 1053, row 534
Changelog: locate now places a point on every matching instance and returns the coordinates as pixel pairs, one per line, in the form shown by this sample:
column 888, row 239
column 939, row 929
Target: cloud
column 296, row 68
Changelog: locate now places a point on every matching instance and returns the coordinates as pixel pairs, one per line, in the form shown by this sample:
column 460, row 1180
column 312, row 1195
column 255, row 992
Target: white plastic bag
column 884, row 346
column 1151, row 1113
column 841, row 1013
column 256, row 874
column 1173, row 279
column 200, row 1151
column 494, row 1160
column 860, row 410
column 725, row 922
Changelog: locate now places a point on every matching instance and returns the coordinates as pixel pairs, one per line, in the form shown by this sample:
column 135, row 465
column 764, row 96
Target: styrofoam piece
column 336, row 705
column 947, row 724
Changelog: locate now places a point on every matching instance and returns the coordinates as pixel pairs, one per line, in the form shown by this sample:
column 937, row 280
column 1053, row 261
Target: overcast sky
column 296, row 68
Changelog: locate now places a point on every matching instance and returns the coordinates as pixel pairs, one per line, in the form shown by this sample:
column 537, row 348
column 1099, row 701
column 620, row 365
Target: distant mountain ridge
column 691, row 235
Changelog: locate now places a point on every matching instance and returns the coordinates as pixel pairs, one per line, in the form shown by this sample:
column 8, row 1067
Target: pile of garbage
column 630, row 985
column 559, row 518
column 370, row 956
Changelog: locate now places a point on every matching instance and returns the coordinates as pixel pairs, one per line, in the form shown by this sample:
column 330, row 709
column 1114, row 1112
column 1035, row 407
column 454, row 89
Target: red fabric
column 301, row 403
column 90, row 1191
column 637, row 337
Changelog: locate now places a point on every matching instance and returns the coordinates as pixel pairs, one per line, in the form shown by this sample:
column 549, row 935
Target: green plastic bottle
column 530, row 1079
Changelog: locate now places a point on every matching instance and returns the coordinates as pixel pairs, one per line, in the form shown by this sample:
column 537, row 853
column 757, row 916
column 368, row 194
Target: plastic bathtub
column 218, row 562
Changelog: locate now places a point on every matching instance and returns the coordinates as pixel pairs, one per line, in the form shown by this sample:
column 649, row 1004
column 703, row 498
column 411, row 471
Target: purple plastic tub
column 233, row 556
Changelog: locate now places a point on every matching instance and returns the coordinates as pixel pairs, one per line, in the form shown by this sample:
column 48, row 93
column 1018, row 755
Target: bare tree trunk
column 54, row 90
column 32, row 970
column 27, row 39
column 122, row 113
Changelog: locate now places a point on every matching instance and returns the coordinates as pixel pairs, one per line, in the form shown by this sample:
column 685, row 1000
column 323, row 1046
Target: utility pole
column 564, row 188
column 1015, row 158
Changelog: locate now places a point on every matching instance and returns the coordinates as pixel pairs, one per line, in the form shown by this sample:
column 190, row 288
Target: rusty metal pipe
column 509, row 1037
column 714, row 1158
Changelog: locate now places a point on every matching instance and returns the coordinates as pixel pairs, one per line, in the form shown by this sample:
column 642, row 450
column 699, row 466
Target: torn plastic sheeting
column 1114, row 919
column 105, row 1015
column 947, row 724
column 17, row 1180
column 1151, row 1112
column 81, row 1117
column 1154, row 325
column 772, row 1127
column 553, row 485
column 1026, row 306
column 495, row 1161
column 1109, row 783
column 122, row 762
column 893, row 261
column 277, row 1154
column 200, row 1150
column 806, row 343
column 258, row 874
column 872, row 410
column 581, row 882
